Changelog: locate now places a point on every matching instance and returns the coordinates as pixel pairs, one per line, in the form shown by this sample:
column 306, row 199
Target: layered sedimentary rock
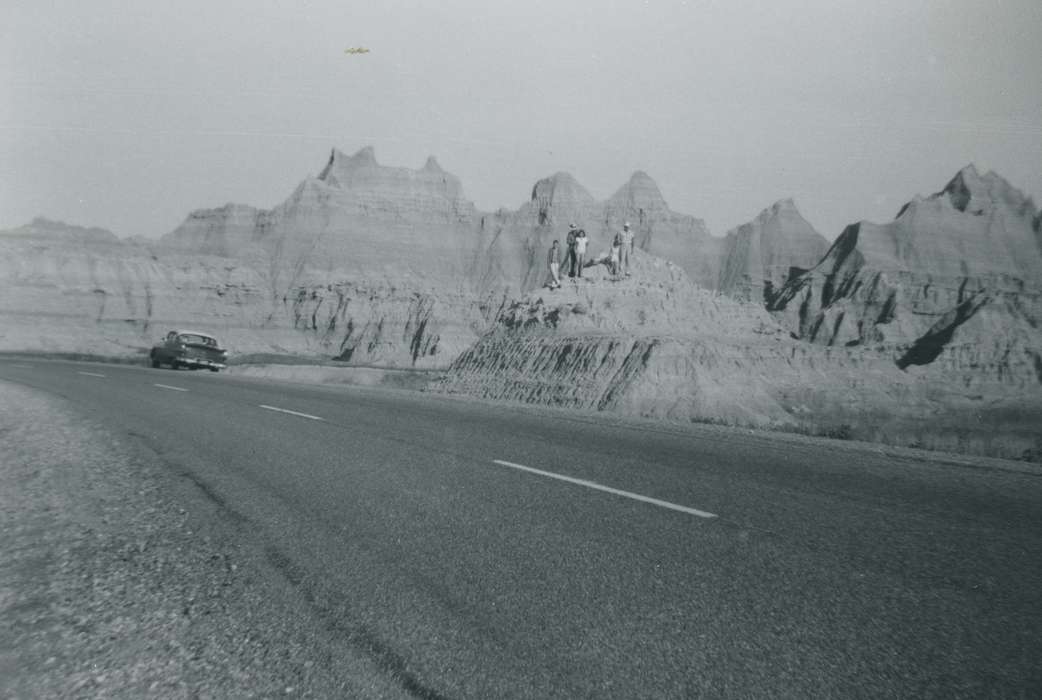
column 365, row 262
column 652, row 344
column 935, row 314
column 513, row 244
column 759, row 257
column 69, row 295
column 657, row 346
column 357, row 217
column 373, row 220
column 967, row 252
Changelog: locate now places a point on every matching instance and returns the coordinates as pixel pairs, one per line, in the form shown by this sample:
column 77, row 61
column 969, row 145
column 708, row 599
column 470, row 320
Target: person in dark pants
column 553, row 259
column 569, row 254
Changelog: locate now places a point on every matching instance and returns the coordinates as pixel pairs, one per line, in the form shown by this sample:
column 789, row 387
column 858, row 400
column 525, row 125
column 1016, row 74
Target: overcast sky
column 128, row 115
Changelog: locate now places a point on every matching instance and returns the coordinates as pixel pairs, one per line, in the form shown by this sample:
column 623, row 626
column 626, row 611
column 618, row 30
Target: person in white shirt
column 627, row 247
column 580, row 251
column 616, row 254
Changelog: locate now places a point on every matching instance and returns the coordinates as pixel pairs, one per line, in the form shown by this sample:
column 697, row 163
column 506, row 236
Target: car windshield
column 197, row 339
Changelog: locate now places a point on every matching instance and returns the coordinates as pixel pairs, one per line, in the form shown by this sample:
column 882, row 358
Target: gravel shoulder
column 121, row 577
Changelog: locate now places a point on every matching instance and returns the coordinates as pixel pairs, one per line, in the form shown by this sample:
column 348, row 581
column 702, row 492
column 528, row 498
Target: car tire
column 174, row 364
column 214, row 369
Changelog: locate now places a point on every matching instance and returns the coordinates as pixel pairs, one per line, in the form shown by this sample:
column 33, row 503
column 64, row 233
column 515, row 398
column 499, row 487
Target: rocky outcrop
column 916, row 283
column 657, row 346
column 357, row 218
column 365, row 262
column 116, row 299
column 511, row 246
column 934, row 317
column 659, row 231
column 652, row 344
column 759, row 257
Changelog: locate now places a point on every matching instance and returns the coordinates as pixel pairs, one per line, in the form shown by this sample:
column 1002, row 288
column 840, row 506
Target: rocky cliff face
column 934, row 314
column 358, row 217
column 115, row 298
column 653, row 344
column 759, row 257
column 368, row 263
column 657, row 346
column 967, row 252
column 512, row 245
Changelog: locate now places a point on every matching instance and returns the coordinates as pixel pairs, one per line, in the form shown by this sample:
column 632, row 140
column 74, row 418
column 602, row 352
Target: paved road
column 476, row 551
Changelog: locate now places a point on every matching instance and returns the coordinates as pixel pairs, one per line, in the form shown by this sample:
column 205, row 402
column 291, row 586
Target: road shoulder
column 120, row 577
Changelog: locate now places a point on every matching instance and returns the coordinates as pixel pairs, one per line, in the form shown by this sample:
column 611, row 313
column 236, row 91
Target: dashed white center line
column 171, row 388
column 292, row 413
column 609, row 489
column 90, row 374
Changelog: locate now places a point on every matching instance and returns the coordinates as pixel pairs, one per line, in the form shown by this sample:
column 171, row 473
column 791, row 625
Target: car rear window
column 197, row 339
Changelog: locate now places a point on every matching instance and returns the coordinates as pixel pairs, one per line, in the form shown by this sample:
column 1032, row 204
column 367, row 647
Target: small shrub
column 1031, row 455
column 843, row 431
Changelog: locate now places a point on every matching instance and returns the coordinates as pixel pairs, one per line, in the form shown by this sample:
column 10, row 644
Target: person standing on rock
column 553, row 259
column 616, row 254
column 580, row 251
column 627, row 247
column 569, row 256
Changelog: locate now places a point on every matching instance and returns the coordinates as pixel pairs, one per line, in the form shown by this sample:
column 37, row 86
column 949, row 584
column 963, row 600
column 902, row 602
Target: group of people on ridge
column 576, row 243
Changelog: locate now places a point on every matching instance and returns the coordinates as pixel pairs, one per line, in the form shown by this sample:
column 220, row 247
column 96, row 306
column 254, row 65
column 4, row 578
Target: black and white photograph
column 471, row 350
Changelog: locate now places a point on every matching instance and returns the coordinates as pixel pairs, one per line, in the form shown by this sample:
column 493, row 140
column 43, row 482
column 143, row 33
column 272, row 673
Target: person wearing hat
column 627, row 247
column 569, row 254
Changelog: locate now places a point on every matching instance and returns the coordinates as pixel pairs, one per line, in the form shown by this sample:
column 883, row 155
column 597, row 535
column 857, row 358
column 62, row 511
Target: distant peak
column 973, row 192
column 641, row 191
column 432, row 165
column 786, row 204
column 782, row 206
column 560, row 186
column 364, row 156
column 640, row 180
column 561, row 177
column 340, row 163
column 781, row 219
column 52, row 228
column 968, row 170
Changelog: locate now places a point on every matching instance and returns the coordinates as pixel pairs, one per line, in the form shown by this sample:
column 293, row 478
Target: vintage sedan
column 189, row 349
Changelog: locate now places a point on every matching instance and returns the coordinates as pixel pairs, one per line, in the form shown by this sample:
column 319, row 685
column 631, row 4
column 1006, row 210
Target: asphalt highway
column 481, row 551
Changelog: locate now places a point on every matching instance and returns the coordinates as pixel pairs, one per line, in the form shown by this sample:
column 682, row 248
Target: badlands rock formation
column 924, row 330
column 366, row 263
column 513, row 244
column 657, row 346
column 954, row 280
column 116, row 299
column 357, row 217
column 759, row 257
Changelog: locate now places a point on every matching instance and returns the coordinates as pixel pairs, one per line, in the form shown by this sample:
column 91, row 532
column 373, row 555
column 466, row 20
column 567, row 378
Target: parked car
column 189, row 349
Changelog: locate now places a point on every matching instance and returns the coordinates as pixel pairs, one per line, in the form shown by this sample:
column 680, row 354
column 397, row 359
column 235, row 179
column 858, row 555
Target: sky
column 129, row 115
